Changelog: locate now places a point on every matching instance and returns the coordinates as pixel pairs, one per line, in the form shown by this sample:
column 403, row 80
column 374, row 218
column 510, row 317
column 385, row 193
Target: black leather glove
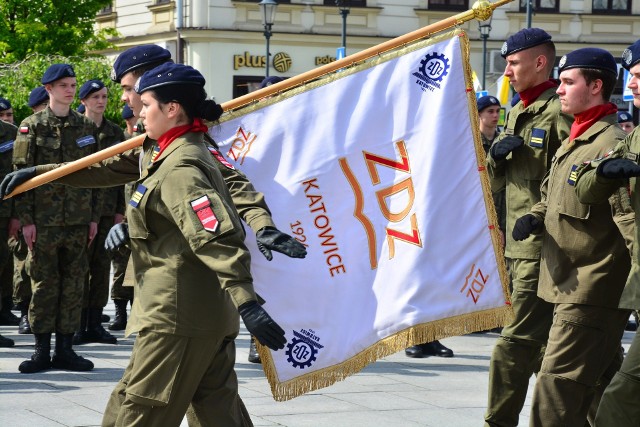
column 262, row 326
column 618, row 168
column 501, row 149
column 117, row 237
column 15, row 178
column 270, row 238
column 525, row 225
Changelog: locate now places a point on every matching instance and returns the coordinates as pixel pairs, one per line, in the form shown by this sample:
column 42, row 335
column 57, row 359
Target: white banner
column 376, row 170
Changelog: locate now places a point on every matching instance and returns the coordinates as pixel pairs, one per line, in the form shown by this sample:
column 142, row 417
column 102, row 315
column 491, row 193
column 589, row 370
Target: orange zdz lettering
column 476, row 286
column 372, row 159
column 241, row 145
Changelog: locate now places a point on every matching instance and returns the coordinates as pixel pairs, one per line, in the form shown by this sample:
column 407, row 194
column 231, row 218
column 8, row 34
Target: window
column 448, row 4
column 543, row 6
column 612, row 7
column 349, row 3
column 106, row 10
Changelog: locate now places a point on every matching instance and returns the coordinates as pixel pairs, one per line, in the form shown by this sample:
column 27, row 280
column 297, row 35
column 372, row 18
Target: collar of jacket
column 540, row 103
column 74, row 118
column 589, row 135
column 187, row 138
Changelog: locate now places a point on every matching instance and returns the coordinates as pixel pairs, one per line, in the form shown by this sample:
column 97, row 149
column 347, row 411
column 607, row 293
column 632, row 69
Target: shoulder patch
column 573, row 175
column 137, row 196
column 24, row 129
column 537, row 138
column 202, row 208
column 218, row 156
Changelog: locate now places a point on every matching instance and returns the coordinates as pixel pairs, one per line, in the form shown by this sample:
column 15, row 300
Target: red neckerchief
column 528, row 96
column 583, row 121
column 169, row 136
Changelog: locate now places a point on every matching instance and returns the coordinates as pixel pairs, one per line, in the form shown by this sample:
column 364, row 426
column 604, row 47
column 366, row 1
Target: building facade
column 225, row 40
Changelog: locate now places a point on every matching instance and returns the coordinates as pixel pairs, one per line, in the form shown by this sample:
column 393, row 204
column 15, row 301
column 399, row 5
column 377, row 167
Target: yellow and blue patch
column 137, row 196
column 156, row 152
column 573, row 175
column 537, row 138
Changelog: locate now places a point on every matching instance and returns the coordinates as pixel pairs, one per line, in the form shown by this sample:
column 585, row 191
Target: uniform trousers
column 57, row 266
column 619, row 405
column 96, row 290
column 169, row 376
column 518, row 351
column 21, row 280
column 584, row 345
column 120, row 290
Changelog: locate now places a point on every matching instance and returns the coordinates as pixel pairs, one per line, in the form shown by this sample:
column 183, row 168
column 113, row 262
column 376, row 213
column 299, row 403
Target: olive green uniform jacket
column 586, row 249
column 594, row 190
column 7, row 137
column 249, row 202
column 189, row 280
column 543, row 127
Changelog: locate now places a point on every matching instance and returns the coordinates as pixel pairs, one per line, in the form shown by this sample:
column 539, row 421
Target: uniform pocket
column 530, row 161
column 136, row 208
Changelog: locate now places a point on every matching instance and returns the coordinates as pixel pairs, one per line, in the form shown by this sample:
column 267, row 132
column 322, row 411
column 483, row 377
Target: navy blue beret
column 487, row 101
column 524, row 39
column 4, row 104
column 631, row 55
column 127, row 112
column 57, row 72
column 589, row 57
column 81, row 109
column 169, row 74
column 37, row 96
column 89, row 87
column 136, row 57
column 624, row 116
column 271, row 80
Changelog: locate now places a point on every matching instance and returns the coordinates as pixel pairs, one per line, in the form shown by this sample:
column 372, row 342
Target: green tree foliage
column 50, row 27
column 18, row 79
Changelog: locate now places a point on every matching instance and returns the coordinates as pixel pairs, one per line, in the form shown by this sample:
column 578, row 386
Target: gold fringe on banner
column 426, row 332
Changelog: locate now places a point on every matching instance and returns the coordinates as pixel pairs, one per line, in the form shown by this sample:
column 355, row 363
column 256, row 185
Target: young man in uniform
column 38, row 101
column 6, row 111
column 586, row 250
column 251, row 204
column 596, row 182
column 518, row 161
column 93, row 96
column 7, row 136
column 625, row 120
column 57, row 223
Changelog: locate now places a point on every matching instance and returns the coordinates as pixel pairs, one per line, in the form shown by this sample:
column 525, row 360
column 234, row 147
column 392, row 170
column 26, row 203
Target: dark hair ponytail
column 193, row 99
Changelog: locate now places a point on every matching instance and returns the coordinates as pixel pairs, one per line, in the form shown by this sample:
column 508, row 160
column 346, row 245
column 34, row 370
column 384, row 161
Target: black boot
column 41, row 359
column 7, row 318
column 65, row 358
column 80, row 336
column 120, row 321
column 435, row 348
column 24, row 327
column 95, row 331
column 414, row 351
column 254, row 356
column 6, row 342
column 104, row 318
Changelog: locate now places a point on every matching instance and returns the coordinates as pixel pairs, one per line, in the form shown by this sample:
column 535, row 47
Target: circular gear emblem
column 434, row 66
column 300, row 354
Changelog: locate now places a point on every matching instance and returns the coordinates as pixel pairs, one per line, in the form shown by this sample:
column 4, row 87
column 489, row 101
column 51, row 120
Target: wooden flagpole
column 481, row 10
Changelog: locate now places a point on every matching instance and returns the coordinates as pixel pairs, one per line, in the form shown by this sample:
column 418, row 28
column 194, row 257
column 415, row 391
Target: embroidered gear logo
column 434, row 67
column 302, row 350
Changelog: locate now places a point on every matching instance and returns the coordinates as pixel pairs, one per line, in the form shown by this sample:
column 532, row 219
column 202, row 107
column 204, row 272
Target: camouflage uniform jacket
column 173, row 254
column 249, row 202
column 594, row 190
column 44, row 138
column 586, row 249
column 112, row 198
column 7, row 137
column 543, row 127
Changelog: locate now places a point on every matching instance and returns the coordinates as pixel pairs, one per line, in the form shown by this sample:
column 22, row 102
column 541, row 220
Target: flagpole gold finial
column 482, row 10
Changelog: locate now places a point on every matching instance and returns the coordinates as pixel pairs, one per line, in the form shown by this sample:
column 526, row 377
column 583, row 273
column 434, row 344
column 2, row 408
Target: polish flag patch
column 202, row 208
column 220, row 157
column 24, row 129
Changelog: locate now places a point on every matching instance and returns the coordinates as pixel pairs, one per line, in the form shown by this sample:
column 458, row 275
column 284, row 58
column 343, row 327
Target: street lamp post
column 268, row 16
column 485, row 29
column 344, row 7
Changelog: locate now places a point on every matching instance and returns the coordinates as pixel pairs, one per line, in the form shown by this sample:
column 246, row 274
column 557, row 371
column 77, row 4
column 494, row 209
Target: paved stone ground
column 395, row 391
